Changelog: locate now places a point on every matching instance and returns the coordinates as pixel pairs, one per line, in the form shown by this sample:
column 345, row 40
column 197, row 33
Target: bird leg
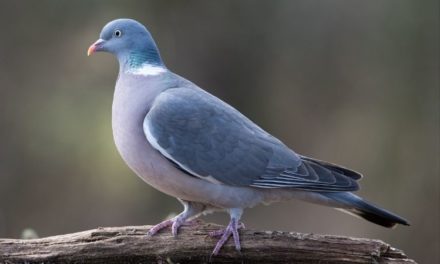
column 159, row 227
column 191, row 211
column 232, row 228
column 218, row 233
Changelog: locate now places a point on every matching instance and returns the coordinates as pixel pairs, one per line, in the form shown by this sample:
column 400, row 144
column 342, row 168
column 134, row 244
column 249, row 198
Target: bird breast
column 131, row 103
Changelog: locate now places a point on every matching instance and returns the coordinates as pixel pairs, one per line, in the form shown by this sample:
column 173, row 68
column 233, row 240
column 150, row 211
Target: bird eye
column 118, row 33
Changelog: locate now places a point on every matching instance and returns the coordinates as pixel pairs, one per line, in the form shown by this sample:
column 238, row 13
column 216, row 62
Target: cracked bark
column 130, row 245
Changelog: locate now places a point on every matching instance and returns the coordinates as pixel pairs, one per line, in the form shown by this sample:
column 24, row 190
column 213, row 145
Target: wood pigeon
column 193, row 146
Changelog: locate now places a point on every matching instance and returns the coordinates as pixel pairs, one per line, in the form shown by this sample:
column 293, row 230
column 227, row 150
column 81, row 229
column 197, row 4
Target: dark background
column 351, row 82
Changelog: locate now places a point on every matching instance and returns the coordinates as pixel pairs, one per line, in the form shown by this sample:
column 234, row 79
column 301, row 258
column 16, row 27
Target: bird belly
column 150, row 165
column 160, row 173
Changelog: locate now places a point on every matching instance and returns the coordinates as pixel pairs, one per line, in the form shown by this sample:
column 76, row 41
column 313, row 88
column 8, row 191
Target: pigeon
column 191, row 145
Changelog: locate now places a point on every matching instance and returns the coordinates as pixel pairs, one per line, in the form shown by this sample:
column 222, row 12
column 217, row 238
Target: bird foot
column 220, row 232
column 231, row 229
column 175, row 223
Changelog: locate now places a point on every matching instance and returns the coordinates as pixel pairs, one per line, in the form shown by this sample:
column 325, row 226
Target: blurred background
column 351, row 82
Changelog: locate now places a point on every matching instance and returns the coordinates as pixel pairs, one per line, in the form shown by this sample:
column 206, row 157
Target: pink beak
column 95, row 47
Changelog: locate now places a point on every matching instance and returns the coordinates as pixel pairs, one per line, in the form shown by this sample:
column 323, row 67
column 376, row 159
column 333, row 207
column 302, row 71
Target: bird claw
column 231, row 229
column 224, row 234
column 175, row 224
column 220, row 232
column 159, row 227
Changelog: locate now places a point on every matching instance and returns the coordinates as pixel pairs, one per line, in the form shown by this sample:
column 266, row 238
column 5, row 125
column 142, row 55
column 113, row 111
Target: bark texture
column 130, row 245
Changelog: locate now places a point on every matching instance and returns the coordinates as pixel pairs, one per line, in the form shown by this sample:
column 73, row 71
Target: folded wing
column 209, row 139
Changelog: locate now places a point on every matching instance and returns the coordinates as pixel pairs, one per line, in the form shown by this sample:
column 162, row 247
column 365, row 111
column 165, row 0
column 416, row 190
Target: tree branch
column 130, row 245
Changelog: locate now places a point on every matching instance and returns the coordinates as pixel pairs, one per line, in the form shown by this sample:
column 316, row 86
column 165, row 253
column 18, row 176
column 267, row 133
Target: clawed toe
column 216, row 233
column 159, row 227
column 191, row 211
column 231, row 229
column 175, row 227
column 220, row 232
column 175, row 224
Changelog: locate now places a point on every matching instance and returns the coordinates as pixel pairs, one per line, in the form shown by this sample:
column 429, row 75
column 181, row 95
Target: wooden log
column 193, row 245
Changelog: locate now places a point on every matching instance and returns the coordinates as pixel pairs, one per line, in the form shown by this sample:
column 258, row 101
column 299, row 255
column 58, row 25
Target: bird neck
column 137, row 59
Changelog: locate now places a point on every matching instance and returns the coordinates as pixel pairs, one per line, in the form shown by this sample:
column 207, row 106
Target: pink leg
column 178, row 222
column 220, row 232
column 160, row 226
column 232, row 228
column 191, row 210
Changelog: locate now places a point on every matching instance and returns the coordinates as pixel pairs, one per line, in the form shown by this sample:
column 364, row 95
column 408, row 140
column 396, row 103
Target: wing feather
column 209, row 139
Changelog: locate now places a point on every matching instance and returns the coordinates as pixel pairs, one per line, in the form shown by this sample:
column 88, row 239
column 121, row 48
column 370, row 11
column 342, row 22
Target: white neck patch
column 147, row 70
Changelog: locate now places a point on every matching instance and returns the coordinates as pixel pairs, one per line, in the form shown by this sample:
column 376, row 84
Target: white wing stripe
column 153, row 141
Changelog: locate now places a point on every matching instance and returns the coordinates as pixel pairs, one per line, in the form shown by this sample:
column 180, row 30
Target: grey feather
column 191, row 145
column 206, row 137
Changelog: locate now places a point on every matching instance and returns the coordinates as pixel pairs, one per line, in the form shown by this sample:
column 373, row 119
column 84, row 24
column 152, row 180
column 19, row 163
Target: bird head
column 129, row 41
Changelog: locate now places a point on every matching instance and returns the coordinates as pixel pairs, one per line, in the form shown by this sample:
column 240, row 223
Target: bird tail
column 353, row 204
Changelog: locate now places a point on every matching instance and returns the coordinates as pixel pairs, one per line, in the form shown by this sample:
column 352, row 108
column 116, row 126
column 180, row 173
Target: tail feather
column 353, row 204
